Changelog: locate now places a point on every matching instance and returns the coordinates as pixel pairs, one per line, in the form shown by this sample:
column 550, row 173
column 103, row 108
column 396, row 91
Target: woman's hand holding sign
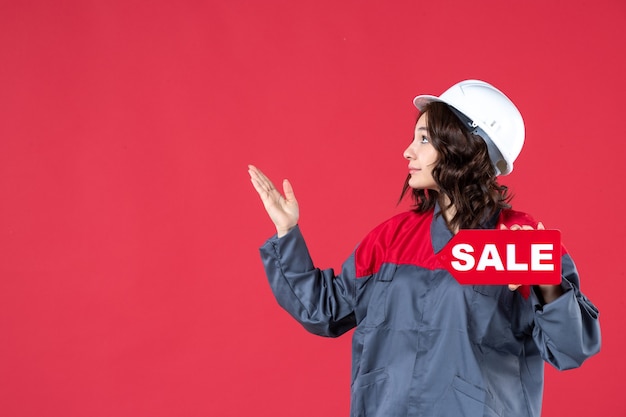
column 548, row 292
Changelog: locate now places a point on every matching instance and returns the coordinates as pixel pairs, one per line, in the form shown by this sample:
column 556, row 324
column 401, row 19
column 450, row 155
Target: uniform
column 424, row 345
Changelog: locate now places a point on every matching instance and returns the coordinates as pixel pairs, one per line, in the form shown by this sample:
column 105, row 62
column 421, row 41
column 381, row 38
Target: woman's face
column 422, row 157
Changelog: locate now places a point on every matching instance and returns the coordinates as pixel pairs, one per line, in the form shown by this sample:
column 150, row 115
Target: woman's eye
column 424, row 139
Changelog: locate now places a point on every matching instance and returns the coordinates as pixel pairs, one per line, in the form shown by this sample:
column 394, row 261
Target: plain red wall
column 130, row 280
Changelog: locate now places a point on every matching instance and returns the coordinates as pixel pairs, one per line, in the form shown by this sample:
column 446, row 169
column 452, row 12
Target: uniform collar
column 441, row 235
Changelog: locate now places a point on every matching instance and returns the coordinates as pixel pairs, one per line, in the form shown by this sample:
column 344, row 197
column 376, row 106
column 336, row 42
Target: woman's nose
column 409, row 153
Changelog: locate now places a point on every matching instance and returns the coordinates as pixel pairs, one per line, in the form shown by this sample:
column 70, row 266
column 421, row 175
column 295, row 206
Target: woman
column 424, row 345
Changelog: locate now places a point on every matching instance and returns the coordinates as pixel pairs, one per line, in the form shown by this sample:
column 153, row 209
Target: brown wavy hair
column 463, row 172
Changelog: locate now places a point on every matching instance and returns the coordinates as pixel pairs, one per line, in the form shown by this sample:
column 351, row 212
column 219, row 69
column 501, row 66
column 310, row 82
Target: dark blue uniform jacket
column 424, row 345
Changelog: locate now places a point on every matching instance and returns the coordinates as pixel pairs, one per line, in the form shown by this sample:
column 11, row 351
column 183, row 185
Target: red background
column 130, row 281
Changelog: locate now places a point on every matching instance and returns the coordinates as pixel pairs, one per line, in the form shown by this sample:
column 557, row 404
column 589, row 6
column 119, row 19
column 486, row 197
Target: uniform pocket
column 491, row 318
column 377, row 307
column 488, row 290
column 463, row 399
column 369, row 392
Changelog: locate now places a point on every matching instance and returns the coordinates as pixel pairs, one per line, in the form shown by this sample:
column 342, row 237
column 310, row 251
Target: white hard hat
column 487, row 112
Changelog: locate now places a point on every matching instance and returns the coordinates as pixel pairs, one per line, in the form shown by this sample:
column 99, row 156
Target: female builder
column 424, row 345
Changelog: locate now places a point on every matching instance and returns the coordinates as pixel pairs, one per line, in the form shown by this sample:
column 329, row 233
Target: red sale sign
column 501, row 257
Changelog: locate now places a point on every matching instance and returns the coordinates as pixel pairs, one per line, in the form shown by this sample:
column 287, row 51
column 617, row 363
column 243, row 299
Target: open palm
column 283, row 210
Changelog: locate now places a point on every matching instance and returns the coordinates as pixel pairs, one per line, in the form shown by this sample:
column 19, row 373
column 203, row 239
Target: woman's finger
column 262, row 180
column 261, row 183
column 288, row 190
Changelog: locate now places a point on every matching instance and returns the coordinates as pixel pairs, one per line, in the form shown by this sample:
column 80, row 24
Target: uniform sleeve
column 322, row 302
column 567, row 330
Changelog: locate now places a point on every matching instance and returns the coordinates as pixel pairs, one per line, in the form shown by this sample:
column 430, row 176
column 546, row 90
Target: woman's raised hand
column 283, row 211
